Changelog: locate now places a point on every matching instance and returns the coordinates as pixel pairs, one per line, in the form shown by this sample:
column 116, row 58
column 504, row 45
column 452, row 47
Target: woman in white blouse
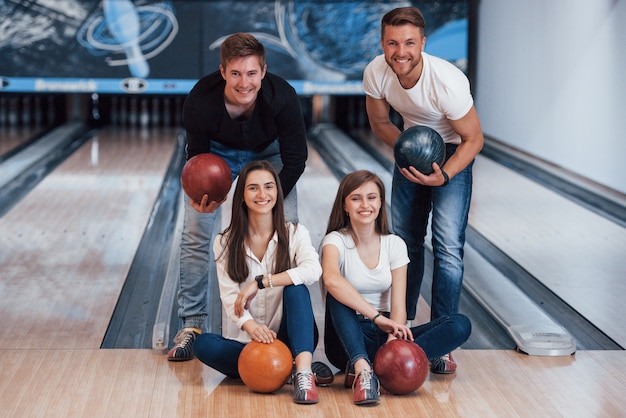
column 264, row 265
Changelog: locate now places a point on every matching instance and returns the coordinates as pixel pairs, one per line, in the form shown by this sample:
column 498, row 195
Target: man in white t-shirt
column 429, row 91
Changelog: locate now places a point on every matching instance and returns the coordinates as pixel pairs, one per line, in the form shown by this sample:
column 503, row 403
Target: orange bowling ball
column 401, row 366
column 206, row 174
column 265, row 368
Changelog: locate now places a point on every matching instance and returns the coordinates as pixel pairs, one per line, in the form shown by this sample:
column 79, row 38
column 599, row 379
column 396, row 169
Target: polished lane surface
column 67, row 246
column 12, row 138
column 574, row 252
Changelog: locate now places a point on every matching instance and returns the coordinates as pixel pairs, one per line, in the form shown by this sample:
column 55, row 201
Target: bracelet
column 446, row 179
column 269, row 278
column 375, row 316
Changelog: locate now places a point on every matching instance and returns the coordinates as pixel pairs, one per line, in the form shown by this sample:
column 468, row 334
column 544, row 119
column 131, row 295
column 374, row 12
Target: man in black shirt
column 241, row 113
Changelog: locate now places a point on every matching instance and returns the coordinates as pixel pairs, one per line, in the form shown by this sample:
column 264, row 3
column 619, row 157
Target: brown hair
column 403, row 16
column 241, row 45
column 339, row 220
column 237, row 232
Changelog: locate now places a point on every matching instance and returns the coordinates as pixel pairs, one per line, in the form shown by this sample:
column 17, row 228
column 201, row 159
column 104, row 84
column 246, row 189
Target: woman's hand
column 259, row 333
column 394, row 329
column 244, row 298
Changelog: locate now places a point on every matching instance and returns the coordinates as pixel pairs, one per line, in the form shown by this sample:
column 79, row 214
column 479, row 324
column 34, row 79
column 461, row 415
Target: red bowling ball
column 401, row 366
column 206, row 174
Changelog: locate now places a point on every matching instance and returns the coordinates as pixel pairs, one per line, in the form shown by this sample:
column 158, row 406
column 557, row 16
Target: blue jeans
column 297, row 330
column 361, row 338
column 411, row 205
column 196, row 258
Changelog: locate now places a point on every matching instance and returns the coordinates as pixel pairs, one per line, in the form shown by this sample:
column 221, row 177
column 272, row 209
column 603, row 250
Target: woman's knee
column 296, row 297
column 462, row 326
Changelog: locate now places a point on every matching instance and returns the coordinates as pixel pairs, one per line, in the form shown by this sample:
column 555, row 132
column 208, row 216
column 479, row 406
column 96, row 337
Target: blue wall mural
column 118, row 46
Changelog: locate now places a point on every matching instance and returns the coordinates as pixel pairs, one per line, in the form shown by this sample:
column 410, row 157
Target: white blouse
column 267, row 306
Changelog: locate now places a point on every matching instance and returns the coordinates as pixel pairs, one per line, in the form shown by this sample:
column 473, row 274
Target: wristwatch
column 446, row 179
column 259, row 281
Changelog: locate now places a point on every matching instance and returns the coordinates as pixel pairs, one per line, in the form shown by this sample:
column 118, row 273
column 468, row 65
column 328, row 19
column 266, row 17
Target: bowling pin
column 144, row 114
column 133, row 113
column 122, row 20
column 13, row 116
column 156, row 116
column 26, row 111
column 95, row 108
column 123, row 111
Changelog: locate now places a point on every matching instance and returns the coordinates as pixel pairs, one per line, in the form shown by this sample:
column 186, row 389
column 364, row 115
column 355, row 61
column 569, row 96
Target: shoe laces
column 445, row 357
column 304, row 380
column 183, row 336
column 365, row 379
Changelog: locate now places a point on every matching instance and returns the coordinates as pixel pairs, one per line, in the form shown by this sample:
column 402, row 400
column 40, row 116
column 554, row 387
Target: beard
column 403, row 69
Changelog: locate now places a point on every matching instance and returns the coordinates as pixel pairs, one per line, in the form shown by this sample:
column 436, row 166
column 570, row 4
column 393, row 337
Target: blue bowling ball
column 420, row 147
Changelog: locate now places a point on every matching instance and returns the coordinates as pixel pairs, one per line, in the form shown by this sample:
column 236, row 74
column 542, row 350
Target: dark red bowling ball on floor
column 263, row 367
column 401, row 366
column 206, row 174
column 420, row 147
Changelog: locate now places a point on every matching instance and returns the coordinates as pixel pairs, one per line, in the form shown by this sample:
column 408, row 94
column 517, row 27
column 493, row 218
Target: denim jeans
column 361, row 338
column 196, row 258
column 411, row 205
column 297, row 330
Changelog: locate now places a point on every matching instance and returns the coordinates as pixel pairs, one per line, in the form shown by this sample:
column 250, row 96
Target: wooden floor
column 137, row 383
column 65, row 250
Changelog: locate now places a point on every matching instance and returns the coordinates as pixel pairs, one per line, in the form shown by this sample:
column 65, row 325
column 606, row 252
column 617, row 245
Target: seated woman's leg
column 356, row 336
column 218, row 353
column 442, row 335
column 297, row 329
column 332, row 346
column 348, row 328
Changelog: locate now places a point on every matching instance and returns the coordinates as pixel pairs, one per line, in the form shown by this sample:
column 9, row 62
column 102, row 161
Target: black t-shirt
column 277, row 115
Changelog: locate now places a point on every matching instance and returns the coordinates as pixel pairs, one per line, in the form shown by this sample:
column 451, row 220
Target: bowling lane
column 13, row 137
column 574, row 252
column 566, row 248
column 66, row 248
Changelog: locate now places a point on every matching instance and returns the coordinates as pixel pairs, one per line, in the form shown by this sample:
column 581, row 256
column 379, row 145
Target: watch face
column 259, row 280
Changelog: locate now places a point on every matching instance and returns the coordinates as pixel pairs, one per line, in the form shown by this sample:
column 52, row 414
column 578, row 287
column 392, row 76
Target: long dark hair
column 339, row 220
column 236, row 233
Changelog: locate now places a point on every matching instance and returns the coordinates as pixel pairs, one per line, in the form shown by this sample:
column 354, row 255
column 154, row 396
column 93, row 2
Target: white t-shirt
column 267, row 306
column 373, row 284
column 441, row 93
